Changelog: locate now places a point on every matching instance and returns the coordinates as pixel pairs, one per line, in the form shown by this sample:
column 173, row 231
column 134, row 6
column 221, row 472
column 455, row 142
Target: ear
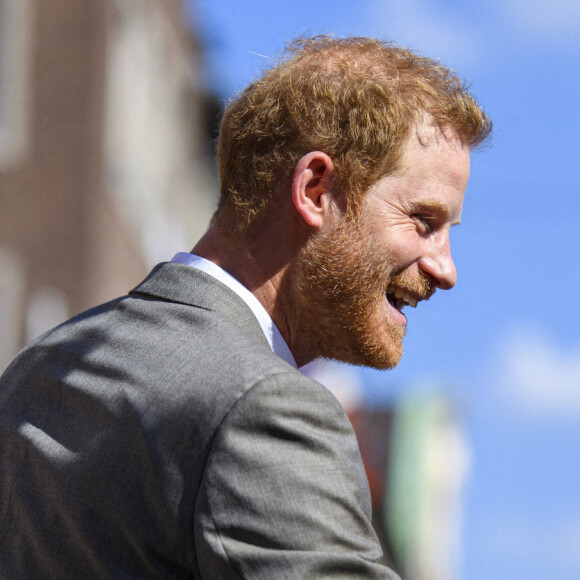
column 311, row 188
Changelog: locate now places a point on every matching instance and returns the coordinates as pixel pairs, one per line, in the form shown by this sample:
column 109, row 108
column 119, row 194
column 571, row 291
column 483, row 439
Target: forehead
column 430, row 149
column 434, row 170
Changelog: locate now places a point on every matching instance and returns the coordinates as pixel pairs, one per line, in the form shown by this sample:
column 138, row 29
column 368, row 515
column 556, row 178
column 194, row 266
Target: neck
column 260, row 264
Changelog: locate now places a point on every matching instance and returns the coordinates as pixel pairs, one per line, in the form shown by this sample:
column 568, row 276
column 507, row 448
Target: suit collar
column 186, row 285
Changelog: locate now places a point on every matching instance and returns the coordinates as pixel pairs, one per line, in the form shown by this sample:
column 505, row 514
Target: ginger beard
column 340, row 281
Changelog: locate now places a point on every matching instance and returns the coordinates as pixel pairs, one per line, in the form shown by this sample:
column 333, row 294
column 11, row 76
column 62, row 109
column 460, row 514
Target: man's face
column 355, row 278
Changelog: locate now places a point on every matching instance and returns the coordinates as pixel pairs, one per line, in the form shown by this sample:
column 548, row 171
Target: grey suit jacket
column 158, row 436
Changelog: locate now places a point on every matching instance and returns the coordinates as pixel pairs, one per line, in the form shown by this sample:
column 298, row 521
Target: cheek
column 400, row 248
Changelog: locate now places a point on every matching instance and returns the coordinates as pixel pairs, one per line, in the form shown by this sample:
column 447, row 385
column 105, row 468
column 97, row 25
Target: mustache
column 421, row 285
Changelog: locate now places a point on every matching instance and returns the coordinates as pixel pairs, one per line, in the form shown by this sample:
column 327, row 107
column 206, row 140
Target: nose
column 438, row 263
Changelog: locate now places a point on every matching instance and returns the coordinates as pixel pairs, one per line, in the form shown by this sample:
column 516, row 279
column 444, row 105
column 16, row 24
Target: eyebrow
column 436, row 206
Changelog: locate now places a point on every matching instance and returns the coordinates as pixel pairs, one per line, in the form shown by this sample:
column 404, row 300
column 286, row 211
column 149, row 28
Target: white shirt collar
column 273, row 335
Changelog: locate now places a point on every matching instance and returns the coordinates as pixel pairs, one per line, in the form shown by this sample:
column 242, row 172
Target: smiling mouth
column 399, row 298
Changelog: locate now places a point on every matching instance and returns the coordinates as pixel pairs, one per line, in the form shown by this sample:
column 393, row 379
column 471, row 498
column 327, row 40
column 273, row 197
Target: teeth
column 405, row 296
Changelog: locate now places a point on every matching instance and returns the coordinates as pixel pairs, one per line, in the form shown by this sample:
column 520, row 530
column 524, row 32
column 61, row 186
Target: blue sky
column 505, row 340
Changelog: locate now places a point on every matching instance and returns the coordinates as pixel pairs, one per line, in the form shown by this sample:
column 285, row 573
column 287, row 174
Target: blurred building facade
column 105, row 167
column 416, row 457
column 427, row 467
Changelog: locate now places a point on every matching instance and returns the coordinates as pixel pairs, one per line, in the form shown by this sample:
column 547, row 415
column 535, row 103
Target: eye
column 425, row 223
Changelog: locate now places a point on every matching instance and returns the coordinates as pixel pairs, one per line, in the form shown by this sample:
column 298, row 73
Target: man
column 169, row 434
